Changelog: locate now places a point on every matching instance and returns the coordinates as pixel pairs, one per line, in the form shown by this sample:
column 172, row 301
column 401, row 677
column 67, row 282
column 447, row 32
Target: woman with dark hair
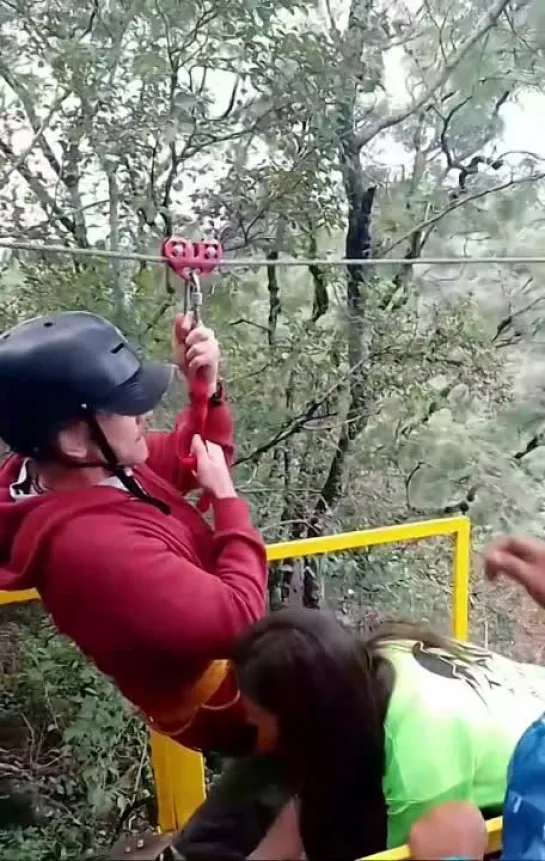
column 374, row 733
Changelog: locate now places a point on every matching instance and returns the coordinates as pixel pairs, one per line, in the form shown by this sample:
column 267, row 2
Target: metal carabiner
column 193, row 294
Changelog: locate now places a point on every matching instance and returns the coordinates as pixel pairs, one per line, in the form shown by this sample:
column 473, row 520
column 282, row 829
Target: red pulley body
column 185, row 257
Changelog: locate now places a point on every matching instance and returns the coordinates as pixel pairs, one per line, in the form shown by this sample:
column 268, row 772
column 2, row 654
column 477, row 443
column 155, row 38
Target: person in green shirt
column 374, row 733
column 368, row 738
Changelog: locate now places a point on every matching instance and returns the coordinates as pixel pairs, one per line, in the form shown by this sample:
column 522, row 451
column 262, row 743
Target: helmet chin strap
column 110, row 463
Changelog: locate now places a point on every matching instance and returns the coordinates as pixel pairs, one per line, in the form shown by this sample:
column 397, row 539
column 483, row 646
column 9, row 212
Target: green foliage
column 85, row 752
column 59, row 841
column 361, row 397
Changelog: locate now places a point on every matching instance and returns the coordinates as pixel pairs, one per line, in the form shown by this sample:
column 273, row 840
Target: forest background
column 364, row 395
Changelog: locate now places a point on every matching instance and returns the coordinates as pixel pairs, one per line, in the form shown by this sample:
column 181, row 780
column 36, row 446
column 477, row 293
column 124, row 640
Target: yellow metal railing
column 179, row 773
column 458, row 527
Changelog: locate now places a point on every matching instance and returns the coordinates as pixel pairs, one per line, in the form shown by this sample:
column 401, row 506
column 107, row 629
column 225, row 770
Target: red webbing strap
column 199, row 415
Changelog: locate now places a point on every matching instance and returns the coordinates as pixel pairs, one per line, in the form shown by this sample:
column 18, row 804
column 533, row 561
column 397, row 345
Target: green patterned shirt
column 451, row 727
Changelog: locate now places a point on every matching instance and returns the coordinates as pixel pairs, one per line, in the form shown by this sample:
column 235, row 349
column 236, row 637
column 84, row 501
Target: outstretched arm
column 283, row 839
column 455, row 830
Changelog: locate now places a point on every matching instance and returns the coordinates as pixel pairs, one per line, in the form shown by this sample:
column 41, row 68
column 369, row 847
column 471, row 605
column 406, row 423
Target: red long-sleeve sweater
column 150, row 598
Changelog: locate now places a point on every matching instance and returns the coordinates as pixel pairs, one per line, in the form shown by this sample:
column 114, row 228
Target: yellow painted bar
column 401, row 853
column 19, row 597
column 459, row 527
column 460, row 588
column 179, row 773
column 179, row 781
column 366, row 538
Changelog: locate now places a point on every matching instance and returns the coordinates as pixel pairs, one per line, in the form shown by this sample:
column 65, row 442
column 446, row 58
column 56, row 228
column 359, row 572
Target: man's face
column 125, row 434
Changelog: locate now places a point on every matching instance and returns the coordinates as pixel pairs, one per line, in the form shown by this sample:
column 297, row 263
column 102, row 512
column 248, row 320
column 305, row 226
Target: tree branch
column 38, row 133
column 70, row 174
column 297, row 424
column 461, row 201
column 274, row 298
column 358, row 245
column 487, row 21
column 118, row 289
column 460, row 506
column 48, row 204
column 534, row 443
column 26, row 100
column 511, row 317
column 472, row 166
column 320, row 299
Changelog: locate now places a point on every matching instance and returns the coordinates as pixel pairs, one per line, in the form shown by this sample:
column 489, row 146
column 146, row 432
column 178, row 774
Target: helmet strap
column 112, row 464
column 51, row 452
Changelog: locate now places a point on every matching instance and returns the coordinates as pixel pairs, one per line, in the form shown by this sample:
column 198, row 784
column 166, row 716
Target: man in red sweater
column 92, row 514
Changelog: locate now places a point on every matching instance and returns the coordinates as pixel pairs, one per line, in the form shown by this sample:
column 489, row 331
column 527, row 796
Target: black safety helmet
column 68, row 366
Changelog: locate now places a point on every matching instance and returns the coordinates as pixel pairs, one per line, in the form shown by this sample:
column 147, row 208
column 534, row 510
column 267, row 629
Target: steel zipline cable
column 259, row 262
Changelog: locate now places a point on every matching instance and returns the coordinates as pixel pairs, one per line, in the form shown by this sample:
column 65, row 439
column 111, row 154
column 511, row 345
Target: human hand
column 455, row 829
column 211, row 470
column 195, row 351
column 520, row 559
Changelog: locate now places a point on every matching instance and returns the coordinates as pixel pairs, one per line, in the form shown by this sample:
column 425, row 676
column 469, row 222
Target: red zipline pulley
column 189, row 260
column 185, row 257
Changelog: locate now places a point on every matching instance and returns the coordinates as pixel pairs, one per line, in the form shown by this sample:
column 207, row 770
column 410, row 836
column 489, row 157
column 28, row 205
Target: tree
column 126, row 120
column 450, row 127
column 364, row 395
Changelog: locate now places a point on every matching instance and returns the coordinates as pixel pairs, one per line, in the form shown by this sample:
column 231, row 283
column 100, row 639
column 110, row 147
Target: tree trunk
column 359, row 279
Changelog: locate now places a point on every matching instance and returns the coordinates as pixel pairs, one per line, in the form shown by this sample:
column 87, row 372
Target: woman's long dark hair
column 329, row 690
